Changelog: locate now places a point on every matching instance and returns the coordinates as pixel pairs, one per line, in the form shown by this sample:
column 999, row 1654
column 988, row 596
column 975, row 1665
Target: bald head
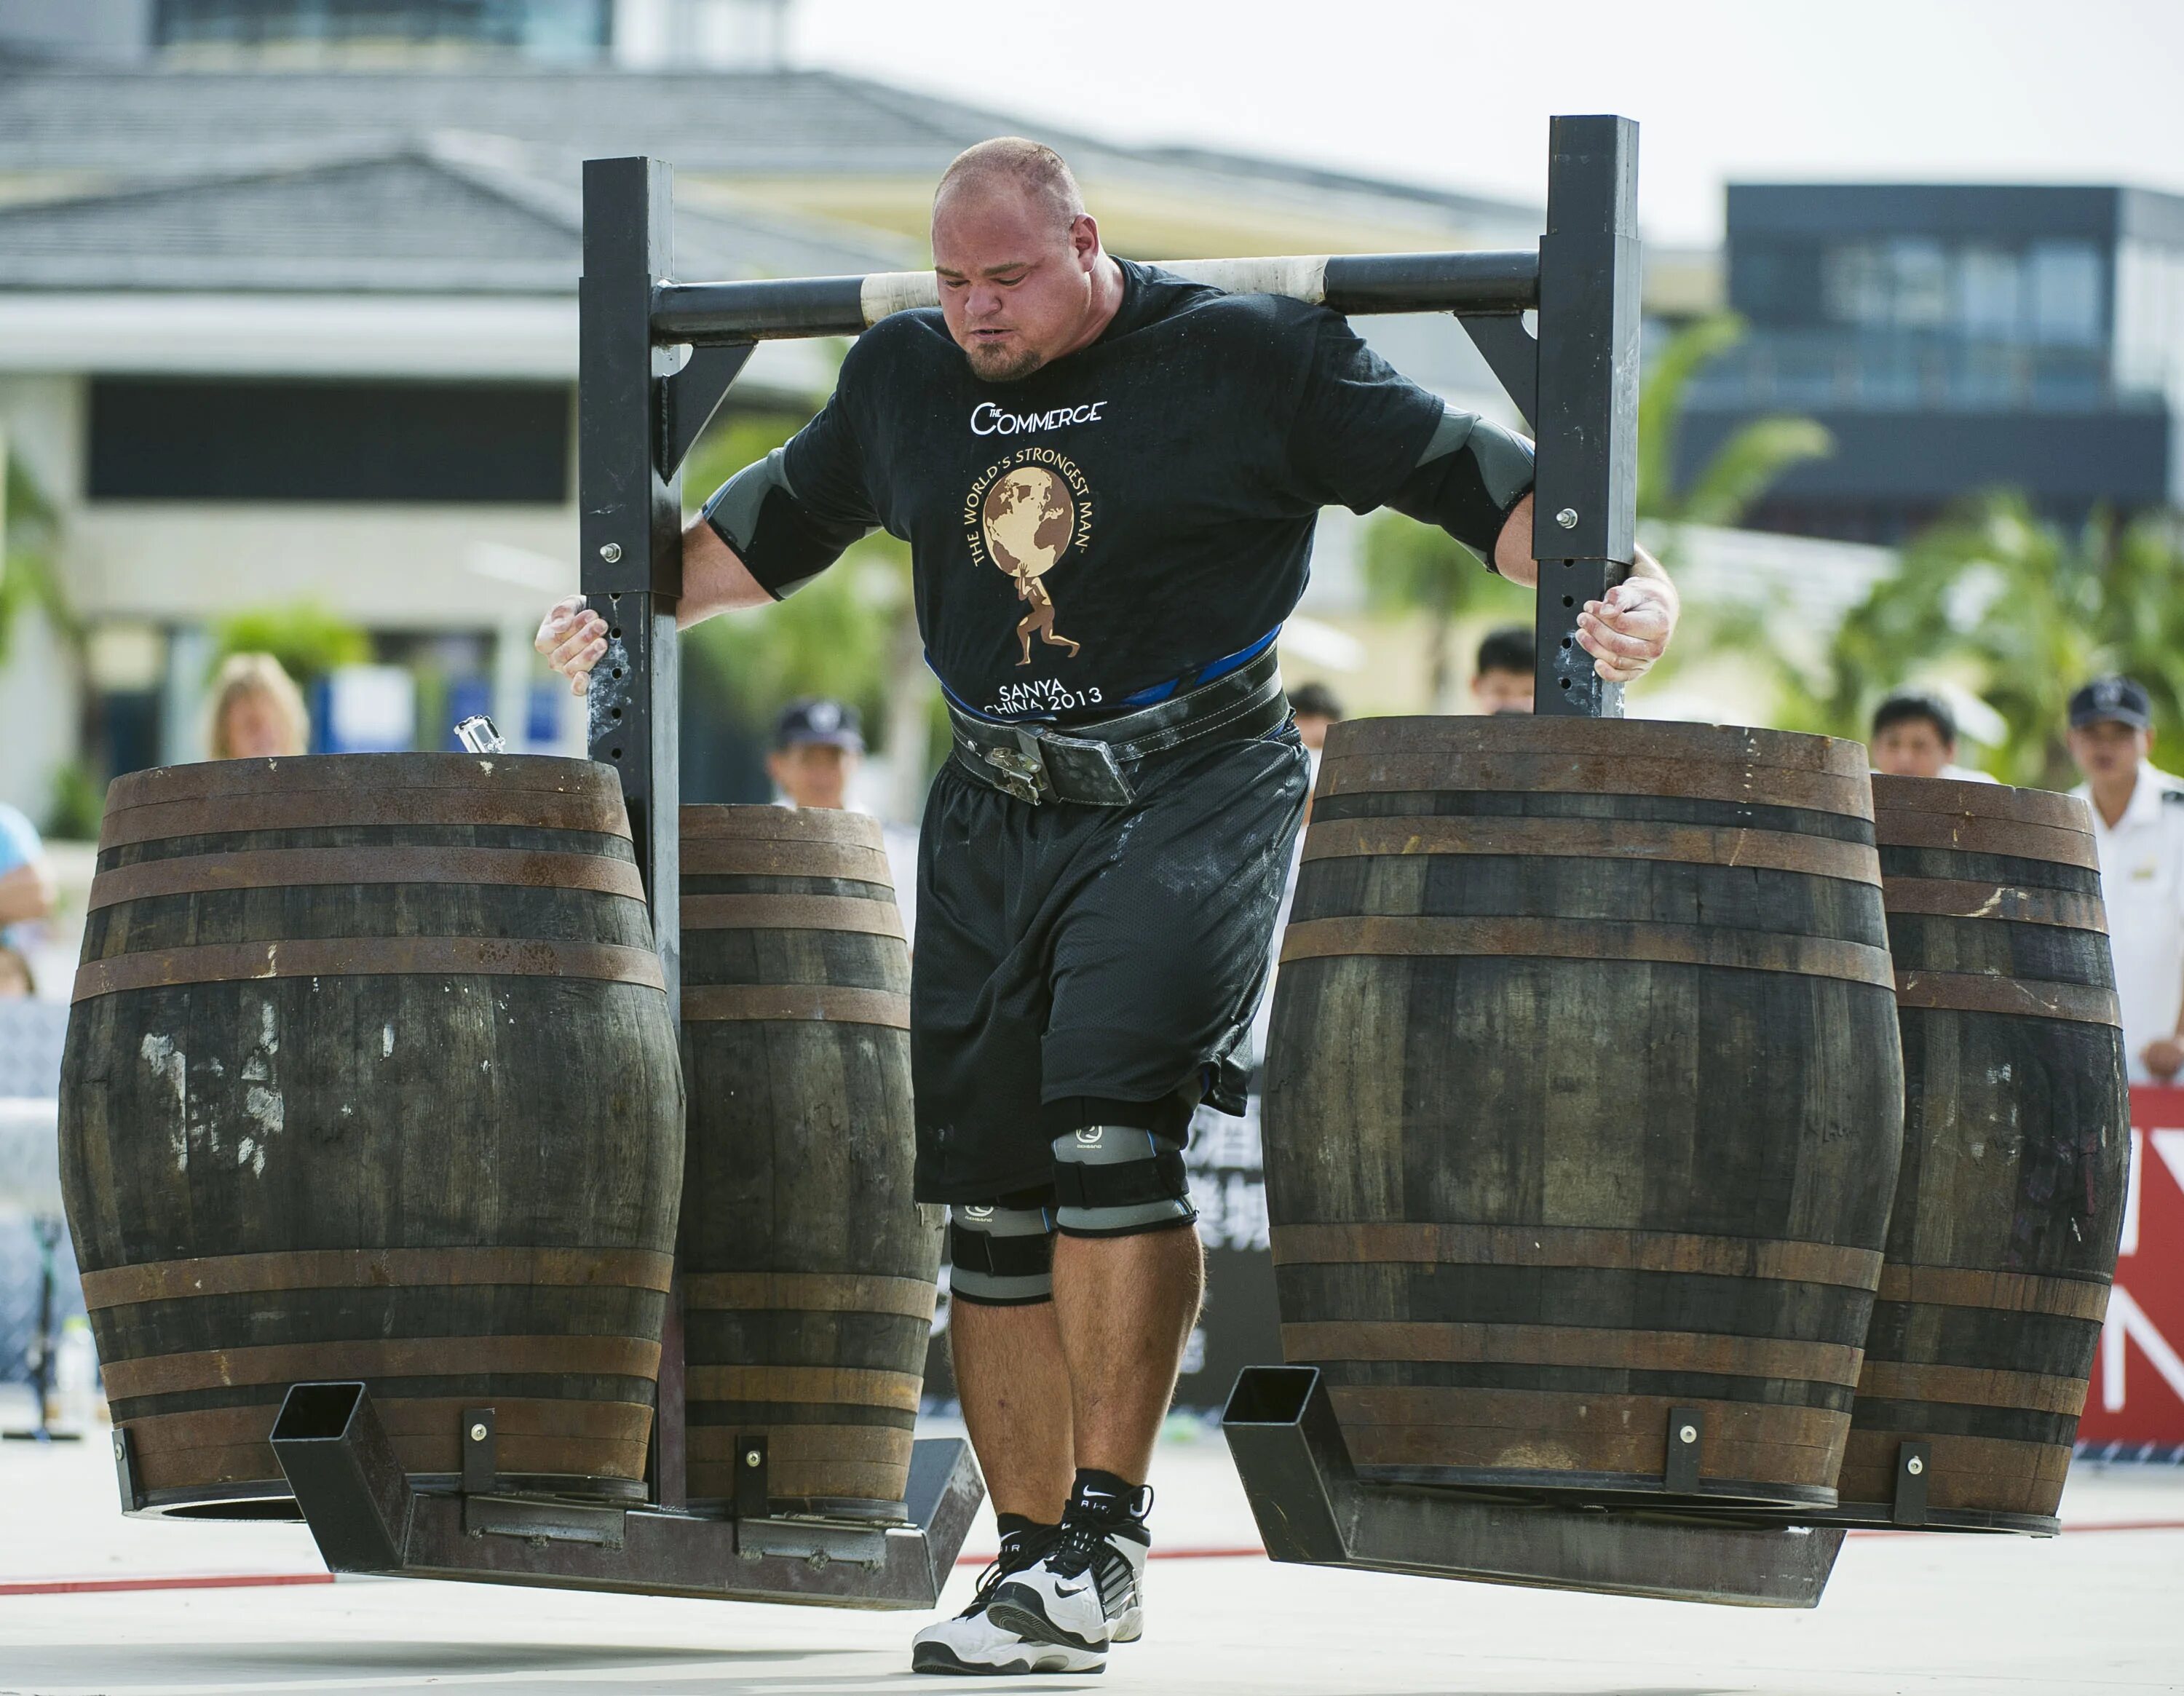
column 1010, row 165
column 1022, row 276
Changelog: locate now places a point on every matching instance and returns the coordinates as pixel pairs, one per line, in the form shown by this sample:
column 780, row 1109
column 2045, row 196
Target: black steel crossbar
column 704, row 313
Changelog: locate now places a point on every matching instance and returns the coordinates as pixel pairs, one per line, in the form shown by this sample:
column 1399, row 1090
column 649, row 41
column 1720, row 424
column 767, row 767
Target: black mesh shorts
column 1082, row 966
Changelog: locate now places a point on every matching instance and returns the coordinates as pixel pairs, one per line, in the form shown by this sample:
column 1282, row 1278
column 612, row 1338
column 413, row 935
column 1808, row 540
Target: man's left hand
column 1628, row 629
column 2164, row 1057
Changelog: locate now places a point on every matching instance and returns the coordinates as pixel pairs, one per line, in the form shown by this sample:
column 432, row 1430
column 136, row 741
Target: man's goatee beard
column 1008, row 370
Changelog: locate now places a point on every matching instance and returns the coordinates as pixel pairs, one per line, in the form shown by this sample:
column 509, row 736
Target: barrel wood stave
column 809, row 1274
column 1559, row 1140
column 359, row 1160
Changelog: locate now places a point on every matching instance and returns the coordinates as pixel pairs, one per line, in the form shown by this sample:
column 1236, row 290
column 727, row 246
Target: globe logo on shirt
column 1029, row 518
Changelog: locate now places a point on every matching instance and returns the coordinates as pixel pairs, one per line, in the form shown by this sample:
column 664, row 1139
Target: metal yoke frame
column 657, row 358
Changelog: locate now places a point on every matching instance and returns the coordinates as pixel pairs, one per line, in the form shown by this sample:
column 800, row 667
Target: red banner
column 2137, row 1393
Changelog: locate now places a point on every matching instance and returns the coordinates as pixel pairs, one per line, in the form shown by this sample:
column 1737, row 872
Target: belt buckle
column 1020, row 775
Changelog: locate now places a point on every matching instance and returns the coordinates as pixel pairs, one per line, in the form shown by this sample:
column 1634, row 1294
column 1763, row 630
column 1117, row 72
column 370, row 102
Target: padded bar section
column 708, row 313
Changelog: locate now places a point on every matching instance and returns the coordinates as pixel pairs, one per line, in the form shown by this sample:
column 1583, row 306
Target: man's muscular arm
column 714, row 580
column 1627, row 630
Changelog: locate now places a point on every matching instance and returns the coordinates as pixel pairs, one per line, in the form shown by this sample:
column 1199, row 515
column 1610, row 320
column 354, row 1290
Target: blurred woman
column 256, row 710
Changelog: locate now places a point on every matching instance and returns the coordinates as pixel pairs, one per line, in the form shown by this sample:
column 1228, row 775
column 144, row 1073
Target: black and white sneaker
column 1085, row 1593
column 974, row 1644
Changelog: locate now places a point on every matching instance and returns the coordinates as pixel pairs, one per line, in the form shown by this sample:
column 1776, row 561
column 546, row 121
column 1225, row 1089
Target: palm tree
column 2025, row 612
column 852, row 634
column 1738, row 472
column 1411, row 567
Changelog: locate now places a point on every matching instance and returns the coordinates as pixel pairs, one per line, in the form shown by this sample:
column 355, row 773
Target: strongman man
column 1141, row 459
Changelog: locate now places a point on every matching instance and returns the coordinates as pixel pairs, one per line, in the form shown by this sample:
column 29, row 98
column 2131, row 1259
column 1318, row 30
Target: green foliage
column 833, row 638
column 77, row 805
column 829, row 638
column 2024, row 613
column 29, row 575
column 1413, row 567
column 308, row 640
column 1743, row 468
column 1410, row 567
column 735, row 440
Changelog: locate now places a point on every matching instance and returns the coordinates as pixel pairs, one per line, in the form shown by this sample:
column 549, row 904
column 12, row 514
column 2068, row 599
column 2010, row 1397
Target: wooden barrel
column 370, row 1073
column 2016, row 1141
column 808, row 1272
column 1583, row 1104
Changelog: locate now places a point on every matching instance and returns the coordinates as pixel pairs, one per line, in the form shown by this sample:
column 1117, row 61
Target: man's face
column 2107, row 752
column 1016, row 276
column 813, row 773
column 1502, row 691
column 1911, row 747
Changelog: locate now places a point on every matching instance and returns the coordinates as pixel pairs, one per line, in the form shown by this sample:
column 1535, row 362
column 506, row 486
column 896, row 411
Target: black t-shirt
column 1117, row 520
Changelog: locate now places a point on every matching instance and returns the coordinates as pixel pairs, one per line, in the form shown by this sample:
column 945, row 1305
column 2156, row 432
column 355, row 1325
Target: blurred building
column 287, row 308
column 1954, row 338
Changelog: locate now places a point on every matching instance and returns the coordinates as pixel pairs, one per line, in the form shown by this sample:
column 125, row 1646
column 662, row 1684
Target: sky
column 1457, row 93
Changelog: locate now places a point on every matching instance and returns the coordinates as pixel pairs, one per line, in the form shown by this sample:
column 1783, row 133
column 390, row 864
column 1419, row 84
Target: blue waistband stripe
column 1151, row 696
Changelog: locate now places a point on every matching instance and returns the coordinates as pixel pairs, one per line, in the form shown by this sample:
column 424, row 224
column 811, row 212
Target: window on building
column 1854, row 284
column 163, row 439
column 2064, row 278
column 541, row 28
column 1986, row 293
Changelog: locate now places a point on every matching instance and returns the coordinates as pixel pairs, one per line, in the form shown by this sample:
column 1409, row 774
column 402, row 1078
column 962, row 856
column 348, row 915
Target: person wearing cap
column 2138, row 831
column 1914, row 735
column 818, row 744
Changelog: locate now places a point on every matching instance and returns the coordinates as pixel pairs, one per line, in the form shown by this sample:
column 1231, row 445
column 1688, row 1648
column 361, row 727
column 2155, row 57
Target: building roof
column 413, row 219
column 126, row 122
column 1978, row 210
column 462, row 182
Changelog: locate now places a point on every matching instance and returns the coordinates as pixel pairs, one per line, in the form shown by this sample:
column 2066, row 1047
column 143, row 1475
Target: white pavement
column 2095, row 1610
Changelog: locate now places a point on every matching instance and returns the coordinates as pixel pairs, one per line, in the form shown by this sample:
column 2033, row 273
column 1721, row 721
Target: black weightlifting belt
column 1094, row 764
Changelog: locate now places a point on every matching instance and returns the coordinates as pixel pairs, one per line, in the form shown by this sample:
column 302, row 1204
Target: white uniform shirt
column 2143, row 887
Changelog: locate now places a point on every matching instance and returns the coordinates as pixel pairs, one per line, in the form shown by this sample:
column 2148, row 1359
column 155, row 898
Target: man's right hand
column 572, row 639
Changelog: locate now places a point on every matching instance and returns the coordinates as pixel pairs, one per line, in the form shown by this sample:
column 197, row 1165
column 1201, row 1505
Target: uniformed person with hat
column 2139, row 829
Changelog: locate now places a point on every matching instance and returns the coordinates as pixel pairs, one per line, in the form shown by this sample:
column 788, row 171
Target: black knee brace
column 1117, row 1181
column 1001, row 1255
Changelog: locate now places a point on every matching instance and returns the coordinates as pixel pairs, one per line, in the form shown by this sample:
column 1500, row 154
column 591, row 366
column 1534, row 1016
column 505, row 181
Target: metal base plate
column 1601, row 1489
column 277, row 1502
column 1881, row 1516
column 1313, row 1507
column 365, row 1517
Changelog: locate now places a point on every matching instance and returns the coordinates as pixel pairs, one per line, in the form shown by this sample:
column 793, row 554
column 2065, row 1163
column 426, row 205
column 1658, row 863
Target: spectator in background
column 257, row 711
column 1315, row 708
column 818, row 744
column 817, row 747
column 1502, row 680
column 16, row 983
column 1914, row 735
column 2139, row 833
column 27, row 888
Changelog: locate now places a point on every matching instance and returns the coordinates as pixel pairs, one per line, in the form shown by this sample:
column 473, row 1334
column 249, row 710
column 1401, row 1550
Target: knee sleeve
column 1116, row 1180
column 1001, row 1256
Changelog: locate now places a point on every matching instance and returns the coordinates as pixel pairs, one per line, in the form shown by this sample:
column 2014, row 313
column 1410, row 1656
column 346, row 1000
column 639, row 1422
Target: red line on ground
column 216, row 1581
